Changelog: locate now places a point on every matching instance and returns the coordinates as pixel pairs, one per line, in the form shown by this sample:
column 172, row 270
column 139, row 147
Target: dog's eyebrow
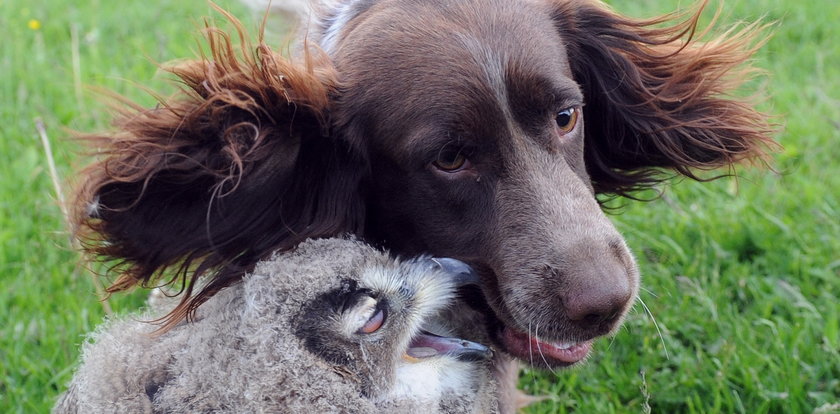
column 547, row 88
column 427, row 143
column 566, row 96
column 554, row 92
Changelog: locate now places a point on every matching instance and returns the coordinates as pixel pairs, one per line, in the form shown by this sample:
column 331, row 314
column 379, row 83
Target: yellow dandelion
column 34, row 24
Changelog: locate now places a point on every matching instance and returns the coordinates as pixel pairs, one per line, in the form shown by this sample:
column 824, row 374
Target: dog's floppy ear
column 656, row 97
column 236, row 165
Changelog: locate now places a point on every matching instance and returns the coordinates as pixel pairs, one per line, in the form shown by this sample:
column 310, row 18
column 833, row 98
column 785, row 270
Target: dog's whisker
column 530, row 346
column 612, row 341
column 650, row 292
column 531, row 358
column 539, row 349
column 634, row 308
column 655, row 324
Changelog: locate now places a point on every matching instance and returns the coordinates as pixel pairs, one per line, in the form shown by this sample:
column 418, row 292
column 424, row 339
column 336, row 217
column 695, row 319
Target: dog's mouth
column 525, row 346
column 536, row 350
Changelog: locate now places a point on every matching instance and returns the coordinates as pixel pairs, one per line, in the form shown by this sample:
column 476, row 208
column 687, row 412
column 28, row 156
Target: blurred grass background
column 742, row 276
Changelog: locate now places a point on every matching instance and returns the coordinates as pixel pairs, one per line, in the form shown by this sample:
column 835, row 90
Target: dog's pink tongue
column 532, row 349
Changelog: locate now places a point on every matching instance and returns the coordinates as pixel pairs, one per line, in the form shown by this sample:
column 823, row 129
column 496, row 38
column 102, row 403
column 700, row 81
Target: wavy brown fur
column 246, row 129
column 661, row 95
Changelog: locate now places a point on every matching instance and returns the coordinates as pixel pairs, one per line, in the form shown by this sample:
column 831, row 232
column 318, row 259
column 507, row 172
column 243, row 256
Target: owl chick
column 333, row 326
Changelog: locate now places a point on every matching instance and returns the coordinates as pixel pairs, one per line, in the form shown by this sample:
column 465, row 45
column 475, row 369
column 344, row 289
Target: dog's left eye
column 566, row 120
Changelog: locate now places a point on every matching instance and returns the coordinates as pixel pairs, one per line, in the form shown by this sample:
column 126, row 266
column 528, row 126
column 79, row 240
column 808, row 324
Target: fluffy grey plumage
column 292, row 338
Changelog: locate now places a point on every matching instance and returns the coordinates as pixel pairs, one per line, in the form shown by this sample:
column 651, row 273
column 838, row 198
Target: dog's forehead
column 459, row 52
column 488, row 32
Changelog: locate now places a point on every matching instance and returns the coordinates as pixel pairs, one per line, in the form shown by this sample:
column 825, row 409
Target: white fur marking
column 92, row 209
column 492, row 63
column 332, row 25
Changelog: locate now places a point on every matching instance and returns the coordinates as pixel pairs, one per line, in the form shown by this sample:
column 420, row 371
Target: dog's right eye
column 451, row 161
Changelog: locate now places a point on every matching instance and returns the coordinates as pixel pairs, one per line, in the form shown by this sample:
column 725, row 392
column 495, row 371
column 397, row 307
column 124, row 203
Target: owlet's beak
column 459, row 272
column 427, row 345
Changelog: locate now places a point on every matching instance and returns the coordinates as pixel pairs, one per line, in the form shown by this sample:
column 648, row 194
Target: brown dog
column 475, row 129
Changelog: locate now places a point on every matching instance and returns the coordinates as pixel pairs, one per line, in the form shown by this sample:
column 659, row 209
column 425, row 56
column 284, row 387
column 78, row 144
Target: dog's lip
column 535, row 350
column 532, row 349
column 513, row 341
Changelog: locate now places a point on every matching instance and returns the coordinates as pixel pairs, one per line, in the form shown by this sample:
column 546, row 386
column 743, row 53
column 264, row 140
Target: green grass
column 742, row 277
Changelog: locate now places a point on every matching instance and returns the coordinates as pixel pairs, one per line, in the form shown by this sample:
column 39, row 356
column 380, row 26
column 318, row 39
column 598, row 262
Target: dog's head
column 476, row 129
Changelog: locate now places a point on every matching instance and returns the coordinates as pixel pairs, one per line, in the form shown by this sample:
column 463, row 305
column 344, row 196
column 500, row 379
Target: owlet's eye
column 566, row 120
column 367, row 315
column 374, row 323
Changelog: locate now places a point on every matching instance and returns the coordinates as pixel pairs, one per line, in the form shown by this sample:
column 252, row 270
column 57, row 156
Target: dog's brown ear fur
column 236, row 165
column 657, row 97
